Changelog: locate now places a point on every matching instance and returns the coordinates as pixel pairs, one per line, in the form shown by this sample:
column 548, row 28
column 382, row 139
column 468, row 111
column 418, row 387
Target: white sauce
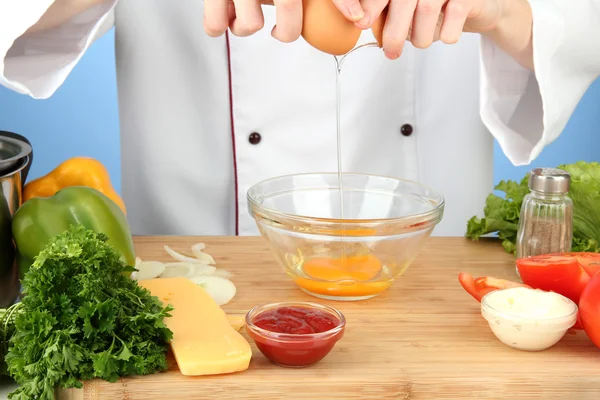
column 529, row 303
column 528, row 319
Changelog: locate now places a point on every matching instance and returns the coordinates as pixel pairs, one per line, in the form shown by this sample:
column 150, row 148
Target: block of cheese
column 204, row 342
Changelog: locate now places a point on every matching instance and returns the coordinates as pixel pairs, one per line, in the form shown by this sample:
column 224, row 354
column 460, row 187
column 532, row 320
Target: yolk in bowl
column 357, row 268
column 345, row 276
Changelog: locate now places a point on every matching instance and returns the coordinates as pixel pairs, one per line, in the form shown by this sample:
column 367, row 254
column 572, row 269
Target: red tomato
column 590, row 262
column 556, row 273
column 479, row 287
column 589, row 309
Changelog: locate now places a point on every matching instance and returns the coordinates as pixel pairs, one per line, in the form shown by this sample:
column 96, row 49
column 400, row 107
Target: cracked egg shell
column 325, row 28
column 377, row 27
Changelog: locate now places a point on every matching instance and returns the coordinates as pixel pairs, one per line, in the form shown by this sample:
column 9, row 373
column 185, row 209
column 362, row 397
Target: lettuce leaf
column 501, row 214
column 585, row 193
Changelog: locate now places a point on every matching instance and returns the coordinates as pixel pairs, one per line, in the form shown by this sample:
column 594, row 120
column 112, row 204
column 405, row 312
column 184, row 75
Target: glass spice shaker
column 546, row 219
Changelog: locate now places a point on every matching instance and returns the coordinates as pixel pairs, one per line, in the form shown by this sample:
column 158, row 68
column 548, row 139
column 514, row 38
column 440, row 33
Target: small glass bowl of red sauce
column 295, row 334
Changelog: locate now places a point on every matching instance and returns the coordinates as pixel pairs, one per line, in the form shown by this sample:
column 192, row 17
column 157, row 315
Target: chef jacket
column 203, row 119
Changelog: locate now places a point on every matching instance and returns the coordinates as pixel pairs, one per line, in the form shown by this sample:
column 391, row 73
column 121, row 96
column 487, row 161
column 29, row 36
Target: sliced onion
column 223, row 273
column 180, row 257
column 134, row 274
column 237, row 322
column 179, row 269
column 201, row 269
column 195, row 269
column 199, row 246
column 149, row 270
column 220, row 289
column 197, row 251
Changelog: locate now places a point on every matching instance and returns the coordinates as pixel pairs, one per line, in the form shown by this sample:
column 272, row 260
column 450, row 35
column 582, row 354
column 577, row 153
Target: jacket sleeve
column 38, row 64
column 526, row 111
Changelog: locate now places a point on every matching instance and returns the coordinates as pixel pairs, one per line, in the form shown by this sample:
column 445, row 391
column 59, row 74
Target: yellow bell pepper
column 77, row 171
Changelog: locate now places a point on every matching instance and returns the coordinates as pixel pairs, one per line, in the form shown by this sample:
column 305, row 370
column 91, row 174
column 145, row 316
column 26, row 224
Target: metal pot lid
column 12, row 151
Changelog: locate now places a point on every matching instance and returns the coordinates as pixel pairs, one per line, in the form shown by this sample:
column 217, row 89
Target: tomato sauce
column 296, row 320
column 297, row 336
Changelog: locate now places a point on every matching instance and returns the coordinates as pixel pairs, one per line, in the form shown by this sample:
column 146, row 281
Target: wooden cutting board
column 422, row 339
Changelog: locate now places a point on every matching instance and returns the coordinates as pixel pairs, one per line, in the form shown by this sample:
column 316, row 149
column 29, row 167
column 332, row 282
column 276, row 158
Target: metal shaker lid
column 12, row 151
column 549, row 180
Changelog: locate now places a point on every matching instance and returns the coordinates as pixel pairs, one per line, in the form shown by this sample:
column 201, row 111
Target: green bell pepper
column 41, row 218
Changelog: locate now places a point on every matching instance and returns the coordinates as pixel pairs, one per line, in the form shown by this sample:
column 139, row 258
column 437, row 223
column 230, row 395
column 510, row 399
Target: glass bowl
column 295, row 349
column 347, row 244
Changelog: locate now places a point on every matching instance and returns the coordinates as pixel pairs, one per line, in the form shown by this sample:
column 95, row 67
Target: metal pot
column 16, row 156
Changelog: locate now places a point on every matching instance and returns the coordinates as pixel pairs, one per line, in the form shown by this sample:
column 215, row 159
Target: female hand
column 419, row 21
column 424, row 21
column 245, row 17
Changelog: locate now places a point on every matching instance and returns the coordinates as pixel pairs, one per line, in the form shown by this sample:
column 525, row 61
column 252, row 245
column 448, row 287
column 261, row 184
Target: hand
column 424, row 21
column 245, row 17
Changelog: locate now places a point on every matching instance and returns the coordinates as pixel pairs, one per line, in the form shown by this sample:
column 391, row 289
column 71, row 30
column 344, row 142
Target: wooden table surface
column 422, row 339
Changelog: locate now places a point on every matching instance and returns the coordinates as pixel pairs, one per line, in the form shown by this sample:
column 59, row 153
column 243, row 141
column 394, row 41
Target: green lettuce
column 501, row 214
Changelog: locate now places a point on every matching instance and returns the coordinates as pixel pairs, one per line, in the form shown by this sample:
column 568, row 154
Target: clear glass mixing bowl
column 385, row 223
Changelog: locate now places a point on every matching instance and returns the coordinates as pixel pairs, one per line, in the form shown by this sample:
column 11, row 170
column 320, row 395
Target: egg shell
column 377, row 27
column 325, row 28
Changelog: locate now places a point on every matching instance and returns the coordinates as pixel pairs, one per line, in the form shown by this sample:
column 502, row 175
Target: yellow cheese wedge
column 204, row 342
column 236, row 321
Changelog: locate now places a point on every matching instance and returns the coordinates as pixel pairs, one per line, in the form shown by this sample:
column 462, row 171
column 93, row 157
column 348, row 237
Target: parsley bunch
column 83, row 318
column 7, row 328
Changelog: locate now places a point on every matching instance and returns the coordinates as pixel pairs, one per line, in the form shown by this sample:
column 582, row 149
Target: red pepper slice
column 560, row 273
column 479, row 287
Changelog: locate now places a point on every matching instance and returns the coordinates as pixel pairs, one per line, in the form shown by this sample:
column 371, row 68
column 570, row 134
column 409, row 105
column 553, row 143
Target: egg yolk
column 343, row 276
column 358, row 268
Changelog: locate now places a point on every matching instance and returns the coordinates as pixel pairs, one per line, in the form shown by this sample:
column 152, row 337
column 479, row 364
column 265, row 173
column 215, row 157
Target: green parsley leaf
column 82, row 317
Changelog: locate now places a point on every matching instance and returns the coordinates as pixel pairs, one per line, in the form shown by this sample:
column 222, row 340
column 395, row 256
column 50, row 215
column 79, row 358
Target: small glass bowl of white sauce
column 528, row 319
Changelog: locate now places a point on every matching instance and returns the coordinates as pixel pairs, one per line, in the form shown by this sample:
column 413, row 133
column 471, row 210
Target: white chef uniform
column 203, row 119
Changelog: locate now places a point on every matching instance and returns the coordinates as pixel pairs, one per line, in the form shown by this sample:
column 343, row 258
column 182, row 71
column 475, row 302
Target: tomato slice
column 589, row 310
column 590, row 262
column 556, row 273
column 479, row 287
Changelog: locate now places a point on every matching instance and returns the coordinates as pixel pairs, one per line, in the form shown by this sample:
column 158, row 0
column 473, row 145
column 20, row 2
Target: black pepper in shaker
column 546, row 219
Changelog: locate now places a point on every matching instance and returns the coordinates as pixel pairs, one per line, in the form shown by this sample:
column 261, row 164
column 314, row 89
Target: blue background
column 81, row 118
